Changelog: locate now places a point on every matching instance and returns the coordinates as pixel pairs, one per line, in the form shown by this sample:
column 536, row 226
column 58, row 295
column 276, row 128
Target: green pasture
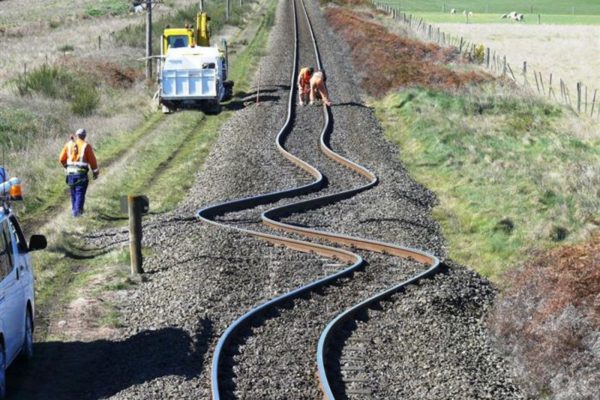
column 529, row 19
column 561, row 7
column 577, row 12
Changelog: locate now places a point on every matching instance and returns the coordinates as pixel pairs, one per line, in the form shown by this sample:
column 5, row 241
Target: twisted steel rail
column 271, row 218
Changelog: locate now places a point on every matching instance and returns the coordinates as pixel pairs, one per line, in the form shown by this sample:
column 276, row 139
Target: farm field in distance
column 564, row 44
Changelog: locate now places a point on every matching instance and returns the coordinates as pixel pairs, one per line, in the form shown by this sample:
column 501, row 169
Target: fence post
column 539, row 19
column 593, row 102
column 586, row 100
column 136, row 206
column 511, row 72
column 542, row 84
column 504, row 66
column 578, row 97
column 461, row 45
column 487, row 57
column 536, row 81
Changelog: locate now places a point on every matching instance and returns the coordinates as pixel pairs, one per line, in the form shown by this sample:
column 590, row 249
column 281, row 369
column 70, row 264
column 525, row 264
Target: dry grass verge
column 389, row 61
column 549, row 321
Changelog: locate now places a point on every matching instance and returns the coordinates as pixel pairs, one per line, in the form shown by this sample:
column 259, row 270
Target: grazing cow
column 453, row 11
column 520, row 17
column 470, row 13
column 504, row 16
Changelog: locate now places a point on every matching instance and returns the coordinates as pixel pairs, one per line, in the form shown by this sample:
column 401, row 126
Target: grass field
column 558, row 7
column 567, row 52
column 488, row 18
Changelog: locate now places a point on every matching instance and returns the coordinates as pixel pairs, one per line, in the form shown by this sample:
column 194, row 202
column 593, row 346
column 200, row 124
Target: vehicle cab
column 17, row 307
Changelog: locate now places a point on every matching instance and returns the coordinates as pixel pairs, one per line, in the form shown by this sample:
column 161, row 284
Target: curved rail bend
column 270, row 218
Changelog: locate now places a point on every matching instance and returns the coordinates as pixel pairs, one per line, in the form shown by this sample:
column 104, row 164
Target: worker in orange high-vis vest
column 78, row 158
column 304, row 85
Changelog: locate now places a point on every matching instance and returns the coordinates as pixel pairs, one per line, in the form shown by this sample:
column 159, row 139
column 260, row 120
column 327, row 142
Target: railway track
column 356, row 278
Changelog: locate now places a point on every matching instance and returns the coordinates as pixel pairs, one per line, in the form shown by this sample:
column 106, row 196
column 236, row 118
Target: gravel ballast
column 200, row 278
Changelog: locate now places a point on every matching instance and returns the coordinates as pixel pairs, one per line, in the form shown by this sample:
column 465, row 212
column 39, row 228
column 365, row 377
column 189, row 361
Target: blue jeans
column 78, row 184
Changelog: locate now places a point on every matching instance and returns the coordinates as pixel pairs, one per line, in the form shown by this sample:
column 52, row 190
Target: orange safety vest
column 304, row 77
column 78, row 157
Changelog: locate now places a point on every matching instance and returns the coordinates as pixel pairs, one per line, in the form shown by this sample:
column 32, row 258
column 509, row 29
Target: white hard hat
column 81, row 132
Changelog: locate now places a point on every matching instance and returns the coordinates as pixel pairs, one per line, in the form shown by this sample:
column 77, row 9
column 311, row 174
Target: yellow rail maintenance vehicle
column 193, row 74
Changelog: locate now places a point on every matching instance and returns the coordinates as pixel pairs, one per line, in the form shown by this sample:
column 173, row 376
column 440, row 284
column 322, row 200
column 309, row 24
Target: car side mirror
column 37, row 242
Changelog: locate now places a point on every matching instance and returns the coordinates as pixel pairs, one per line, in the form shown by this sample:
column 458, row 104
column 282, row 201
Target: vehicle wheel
column 2, row 372
column 27, row 350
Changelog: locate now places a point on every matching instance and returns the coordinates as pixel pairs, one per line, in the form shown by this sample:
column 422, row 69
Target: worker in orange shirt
column 318, row 88
column 78, row 158
column 304, row 85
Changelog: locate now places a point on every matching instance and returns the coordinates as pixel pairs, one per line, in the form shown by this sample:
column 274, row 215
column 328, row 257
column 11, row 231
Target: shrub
column 57, row 82
column 51, row 81
column 479, row 53
column 66, row 47
column 85, row 99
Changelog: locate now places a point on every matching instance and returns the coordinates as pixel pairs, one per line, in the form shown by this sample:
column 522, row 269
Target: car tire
column 27, row 350
column 2, row 372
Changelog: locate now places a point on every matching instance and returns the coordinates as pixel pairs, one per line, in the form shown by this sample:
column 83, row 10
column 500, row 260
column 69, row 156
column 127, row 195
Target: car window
column 5, row 253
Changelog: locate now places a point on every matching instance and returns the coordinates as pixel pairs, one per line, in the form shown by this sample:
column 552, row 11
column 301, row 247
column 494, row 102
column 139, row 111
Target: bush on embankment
column 57, row 82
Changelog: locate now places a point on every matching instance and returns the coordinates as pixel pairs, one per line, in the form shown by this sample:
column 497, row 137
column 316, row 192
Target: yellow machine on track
column 193, row 73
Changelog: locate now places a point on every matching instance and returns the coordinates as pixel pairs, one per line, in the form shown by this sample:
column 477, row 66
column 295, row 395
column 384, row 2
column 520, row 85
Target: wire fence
column 584, row 101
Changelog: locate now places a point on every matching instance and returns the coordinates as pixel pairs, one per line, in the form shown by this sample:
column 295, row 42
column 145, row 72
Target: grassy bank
column 510, row 176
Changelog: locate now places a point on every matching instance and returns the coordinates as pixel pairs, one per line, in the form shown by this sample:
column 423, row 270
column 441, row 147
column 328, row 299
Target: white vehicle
column 194, row 77
column 16, row 289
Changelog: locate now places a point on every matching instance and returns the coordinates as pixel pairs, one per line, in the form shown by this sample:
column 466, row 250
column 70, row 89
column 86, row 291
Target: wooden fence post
column 578, row 97
column 136, row 206
column 487, row 57
column 511, row 72
column 593, row 102
column 536, row 81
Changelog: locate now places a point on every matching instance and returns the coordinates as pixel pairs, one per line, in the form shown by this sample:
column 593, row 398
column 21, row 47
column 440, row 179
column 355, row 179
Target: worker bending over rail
column 78, row 157
column 304, row 85
column 318, row 89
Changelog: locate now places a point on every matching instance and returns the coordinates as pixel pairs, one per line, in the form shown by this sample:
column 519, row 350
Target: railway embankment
column 516, row 180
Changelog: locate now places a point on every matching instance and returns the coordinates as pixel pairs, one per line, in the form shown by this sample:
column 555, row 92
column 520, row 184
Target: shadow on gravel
column 353, row 104
column 102, row 368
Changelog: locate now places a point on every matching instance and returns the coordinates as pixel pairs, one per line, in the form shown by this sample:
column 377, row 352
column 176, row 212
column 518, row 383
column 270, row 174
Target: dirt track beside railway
column 200, row 278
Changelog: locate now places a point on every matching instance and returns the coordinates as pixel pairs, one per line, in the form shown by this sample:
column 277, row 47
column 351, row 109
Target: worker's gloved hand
column 95, row 175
